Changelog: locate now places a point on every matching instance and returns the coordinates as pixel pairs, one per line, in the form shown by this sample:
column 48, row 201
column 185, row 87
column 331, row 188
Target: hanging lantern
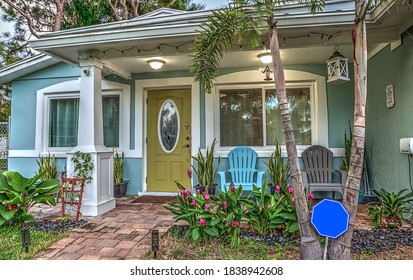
column 267, row 71
column 337, row 66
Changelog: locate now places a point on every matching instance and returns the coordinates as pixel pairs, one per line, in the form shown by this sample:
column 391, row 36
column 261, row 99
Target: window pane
column 63, row 122
column 300, row 110
column 241, row 121
column 111, row 121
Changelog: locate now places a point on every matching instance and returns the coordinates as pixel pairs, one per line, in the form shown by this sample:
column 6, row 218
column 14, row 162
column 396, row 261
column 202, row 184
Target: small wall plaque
column 389, row 96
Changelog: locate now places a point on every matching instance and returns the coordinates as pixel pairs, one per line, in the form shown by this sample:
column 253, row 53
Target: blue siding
column 23, row 111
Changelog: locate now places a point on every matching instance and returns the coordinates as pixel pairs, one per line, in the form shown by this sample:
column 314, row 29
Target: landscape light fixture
column 26, row 238
column 155, row 242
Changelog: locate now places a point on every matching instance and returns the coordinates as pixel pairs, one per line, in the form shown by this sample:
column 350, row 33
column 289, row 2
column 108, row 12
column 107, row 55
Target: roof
column 170, row 27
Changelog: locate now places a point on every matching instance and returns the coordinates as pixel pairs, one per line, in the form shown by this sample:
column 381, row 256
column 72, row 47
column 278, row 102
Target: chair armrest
column 344, row 175
column 222, row 174
column 305, row 179
column 260, row 175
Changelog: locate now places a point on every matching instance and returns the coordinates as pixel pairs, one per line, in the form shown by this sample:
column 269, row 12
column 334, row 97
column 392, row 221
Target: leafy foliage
column 205, row 166
column 47, row 166
column 230, row 211
column 83, row 166
column 193, row 209
column 347, row 149
column 18, row 194
column 389, row 210
column 118, row 165
column 278, row 169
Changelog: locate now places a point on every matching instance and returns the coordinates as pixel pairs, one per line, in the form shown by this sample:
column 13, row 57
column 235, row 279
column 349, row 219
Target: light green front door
column 169, row 139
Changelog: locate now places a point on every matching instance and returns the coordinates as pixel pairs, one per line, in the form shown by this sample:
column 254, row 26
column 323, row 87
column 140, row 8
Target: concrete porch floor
column 124, row 232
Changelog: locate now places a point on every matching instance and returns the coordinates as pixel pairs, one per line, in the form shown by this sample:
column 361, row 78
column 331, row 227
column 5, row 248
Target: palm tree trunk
column 310, row 247
column 340, row 248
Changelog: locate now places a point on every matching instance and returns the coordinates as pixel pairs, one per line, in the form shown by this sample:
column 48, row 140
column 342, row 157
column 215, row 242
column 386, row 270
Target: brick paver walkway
column 122, row 233
column 125, row 232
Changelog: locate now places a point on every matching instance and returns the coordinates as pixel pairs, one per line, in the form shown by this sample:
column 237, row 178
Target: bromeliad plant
column 18, row 194
column 197, row 210
column 230, row 212
column 267, row 213
column 389, row 210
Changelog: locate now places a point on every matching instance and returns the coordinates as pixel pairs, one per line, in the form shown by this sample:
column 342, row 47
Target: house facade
column 92, row 90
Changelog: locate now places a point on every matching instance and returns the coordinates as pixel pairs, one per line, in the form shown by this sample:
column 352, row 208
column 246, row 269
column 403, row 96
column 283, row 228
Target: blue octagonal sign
column 329, row 218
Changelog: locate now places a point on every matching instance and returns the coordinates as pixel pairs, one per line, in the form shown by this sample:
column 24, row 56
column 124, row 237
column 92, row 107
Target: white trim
column 71, row 89
column 253, row 78
column 141, row 93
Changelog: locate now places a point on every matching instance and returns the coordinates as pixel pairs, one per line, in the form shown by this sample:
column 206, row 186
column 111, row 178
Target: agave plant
column 389, row 210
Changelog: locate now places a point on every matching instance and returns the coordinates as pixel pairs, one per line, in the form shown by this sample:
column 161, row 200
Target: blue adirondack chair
column 242, row 171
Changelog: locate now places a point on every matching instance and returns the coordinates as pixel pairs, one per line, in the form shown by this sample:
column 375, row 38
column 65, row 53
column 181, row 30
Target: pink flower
column 202, row 222
column 198, row 190
column 225, row 203
column 206, row 196
column 277, row 188
column 291, row 190
column 235, row 224
column 288, row 185
column 193, row 203
column 207, row 207
column 189, row 172
column 232, row 187
column 310, row 196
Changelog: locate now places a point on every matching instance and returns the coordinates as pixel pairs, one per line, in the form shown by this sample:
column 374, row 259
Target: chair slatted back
column 318, row 163
column 242, row 162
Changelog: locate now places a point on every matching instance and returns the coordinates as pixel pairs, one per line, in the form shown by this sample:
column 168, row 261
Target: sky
column 210, row 4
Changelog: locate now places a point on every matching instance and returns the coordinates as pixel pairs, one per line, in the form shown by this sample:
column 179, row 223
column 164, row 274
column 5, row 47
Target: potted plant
column 278, row 170
column 120, row 186
column 205, row 170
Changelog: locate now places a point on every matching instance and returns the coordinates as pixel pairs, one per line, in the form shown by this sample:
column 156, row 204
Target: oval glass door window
column 168, row 130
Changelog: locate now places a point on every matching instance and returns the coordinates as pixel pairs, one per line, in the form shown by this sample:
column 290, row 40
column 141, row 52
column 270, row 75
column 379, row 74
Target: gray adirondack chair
column 242, row 169
column 318, row 171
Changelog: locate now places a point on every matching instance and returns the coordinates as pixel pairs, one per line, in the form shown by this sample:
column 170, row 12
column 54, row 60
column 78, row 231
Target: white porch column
column 98, row 195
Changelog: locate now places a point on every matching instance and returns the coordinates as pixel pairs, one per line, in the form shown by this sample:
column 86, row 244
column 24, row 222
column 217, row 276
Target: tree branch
column 24, row 15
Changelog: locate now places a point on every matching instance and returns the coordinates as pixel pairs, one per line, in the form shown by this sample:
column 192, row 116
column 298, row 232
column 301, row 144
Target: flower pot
column 201, row 189
column 120, row 189
column 272, row 189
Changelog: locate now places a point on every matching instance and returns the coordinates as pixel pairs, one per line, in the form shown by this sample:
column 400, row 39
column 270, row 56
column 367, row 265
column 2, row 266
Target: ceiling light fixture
column 265, row 57
column 156, row 64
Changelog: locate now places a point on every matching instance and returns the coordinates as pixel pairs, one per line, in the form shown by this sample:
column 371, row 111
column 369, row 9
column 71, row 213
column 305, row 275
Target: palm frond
column 224, row 29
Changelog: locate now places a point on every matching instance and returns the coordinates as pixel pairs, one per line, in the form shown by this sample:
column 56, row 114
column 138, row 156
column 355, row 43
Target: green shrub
column 18, row 194
column 389, row 210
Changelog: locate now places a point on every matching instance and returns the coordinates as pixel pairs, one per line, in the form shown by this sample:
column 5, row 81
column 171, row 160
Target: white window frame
column 71, row 89
column 253, row 79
